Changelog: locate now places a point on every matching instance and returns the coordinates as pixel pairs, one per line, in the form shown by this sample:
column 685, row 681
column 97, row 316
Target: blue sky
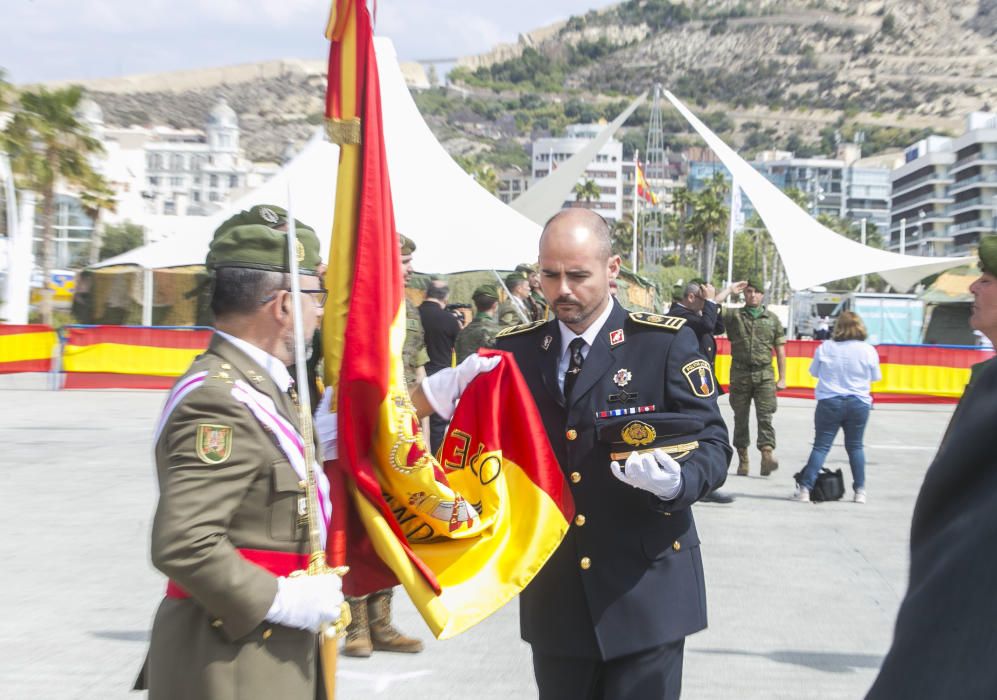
column 68, row 39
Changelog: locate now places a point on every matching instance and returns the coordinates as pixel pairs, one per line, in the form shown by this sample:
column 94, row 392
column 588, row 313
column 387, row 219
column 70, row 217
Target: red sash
column 277, row 563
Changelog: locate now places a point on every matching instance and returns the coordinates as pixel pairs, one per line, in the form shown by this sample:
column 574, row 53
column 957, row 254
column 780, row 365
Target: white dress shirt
column 588, row 335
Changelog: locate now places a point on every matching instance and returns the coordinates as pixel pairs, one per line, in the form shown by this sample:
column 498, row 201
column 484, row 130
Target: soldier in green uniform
column 514, row 310
column 480, row 332
column 370, row 626
column 536, row 302
column 228, row 528
column 754, row 333
column 414, row 353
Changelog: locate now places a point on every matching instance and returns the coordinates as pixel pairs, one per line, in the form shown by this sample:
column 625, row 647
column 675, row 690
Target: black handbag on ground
column 830, row 486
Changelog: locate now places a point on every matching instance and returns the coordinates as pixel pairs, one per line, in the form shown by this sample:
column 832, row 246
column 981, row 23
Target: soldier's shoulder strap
column 668, row 323
column 521, row 328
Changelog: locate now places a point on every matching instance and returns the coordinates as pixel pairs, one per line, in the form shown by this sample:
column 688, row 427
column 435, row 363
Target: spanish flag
column 643, row 189
column 463, row 534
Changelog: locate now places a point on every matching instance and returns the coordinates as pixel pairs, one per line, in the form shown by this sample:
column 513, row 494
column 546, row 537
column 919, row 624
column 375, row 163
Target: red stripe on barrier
column 107, row 380
column 40, row 365
column 11, row 329
column 804, row 393
column 922, row 355
column 151, row 337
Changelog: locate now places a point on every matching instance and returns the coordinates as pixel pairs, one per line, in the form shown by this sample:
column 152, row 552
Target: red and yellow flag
column 643, row 189
column 463, row 536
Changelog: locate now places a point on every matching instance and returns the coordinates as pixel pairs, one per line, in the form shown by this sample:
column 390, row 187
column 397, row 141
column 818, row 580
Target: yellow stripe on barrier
column 20, row 347
column 119, row 358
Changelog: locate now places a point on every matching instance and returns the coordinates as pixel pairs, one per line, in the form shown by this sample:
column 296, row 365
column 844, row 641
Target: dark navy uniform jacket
column 706, row 325
column 628, row 575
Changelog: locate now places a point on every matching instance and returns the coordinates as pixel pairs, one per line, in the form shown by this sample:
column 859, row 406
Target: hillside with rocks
column 790, row 74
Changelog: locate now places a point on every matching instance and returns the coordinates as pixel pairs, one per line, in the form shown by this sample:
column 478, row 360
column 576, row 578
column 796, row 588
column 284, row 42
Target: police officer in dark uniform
column 629, row 405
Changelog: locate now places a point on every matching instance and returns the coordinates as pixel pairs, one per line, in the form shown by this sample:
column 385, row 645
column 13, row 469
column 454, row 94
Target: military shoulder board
column 671, row 323
column 522, row 328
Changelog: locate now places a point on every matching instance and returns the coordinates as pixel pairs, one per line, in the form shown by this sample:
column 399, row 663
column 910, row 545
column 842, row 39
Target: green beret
column 988, row 254
column 257, row 239
column 514, row 278
column 407, row 244
column 678, row 291
column 486, row 290
column 526, row 268
column 756, row 286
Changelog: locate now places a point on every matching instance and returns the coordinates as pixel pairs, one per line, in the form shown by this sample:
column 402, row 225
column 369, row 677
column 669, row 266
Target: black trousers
column 653, row 674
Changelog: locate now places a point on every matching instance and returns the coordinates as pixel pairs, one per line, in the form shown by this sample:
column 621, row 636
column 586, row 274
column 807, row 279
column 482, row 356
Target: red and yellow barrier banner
column 26, row 348
column 129, row 357
column 911, row 373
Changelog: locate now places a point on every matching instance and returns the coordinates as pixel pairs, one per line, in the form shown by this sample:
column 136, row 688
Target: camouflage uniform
column 752, row 342
column 414, row 353
column 538, row 306
column 480, row 333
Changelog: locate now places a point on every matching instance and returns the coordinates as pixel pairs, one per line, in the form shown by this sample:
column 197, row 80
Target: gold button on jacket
column 575, row 477
column 571, row 434
column 579, row 520
column 585, row 563
column 676, row 546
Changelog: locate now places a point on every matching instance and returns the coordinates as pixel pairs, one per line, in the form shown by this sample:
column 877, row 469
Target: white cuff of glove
column 307, row 602
column 444, row 388
column 655, row 473
column 327, row 426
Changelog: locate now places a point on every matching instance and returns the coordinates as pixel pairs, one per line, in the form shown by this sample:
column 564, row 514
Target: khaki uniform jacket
column 508, row 312
column 479, row 333
column 216, row 645
column 752, row 341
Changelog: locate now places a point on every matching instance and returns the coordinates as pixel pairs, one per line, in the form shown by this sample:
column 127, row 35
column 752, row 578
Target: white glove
column 444, row 388
column 327, row 426
column 307, row 602
column 656, row 472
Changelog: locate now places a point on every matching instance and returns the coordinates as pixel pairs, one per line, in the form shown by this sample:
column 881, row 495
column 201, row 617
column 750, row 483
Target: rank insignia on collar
column 616, row 337
column 548, row 339
column 214, row 443
column 637, row 433
column 623, row 376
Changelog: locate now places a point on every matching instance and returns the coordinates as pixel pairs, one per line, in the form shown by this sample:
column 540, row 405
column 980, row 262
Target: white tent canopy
column 456, row 223
column 812, row 253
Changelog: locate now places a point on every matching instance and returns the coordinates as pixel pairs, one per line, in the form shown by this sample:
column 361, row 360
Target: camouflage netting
column 113, row 295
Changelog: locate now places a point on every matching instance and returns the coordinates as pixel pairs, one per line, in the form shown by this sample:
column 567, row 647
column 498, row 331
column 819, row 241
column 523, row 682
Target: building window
column 196, row 196
column 154, row 181
column 176, row 162
column 212, row 196
column 233, row 181
column 170, row 208
column 176, row 182
column 214, row 181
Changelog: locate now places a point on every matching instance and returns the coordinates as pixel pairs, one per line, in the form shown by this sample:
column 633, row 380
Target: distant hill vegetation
column 793, row 75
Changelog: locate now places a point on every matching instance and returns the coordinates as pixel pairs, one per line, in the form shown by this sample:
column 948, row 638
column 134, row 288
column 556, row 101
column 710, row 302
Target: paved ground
column 802, row 597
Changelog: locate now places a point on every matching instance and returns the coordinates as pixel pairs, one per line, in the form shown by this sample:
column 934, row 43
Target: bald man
column 629, row 405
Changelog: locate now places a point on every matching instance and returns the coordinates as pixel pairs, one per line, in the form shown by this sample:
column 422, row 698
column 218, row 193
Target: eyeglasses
column 319, row 296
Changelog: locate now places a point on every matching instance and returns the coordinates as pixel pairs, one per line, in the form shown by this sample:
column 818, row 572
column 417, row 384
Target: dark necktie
column 574, row 366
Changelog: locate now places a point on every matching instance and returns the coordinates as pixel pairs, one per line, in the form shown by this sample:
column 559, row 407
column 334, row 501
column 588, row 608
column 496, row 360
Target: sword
column 329, row 635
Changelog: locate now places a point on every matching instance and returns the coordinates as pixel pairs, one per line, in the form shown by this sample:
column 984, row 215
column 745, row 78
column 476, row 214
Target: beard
column 571, row 312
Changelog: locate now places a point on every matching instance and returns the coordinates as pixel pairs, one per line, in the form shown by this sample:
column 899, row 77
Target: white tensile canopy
column 456, row 224
column 812, row 253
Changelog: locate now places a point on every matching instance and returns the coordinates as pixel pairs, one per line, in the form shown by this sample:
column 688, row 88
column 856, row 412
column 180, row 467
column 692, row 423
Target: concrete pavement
column 802, row 597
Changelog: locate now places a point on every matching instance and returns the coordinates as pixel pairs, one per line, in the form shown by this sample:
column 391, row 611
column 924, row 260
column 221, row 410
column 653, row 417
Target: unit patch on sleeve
column 214, row 443
column 700, row 377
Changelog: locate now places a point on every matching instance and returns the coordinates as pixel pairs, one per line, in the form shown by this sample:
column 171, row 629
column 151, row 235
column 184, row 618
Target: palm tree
column 710, row 217
column 587, row 191
column 487, row 178
column 681, row 198
column 48, row 145
column 96, row 198
column 5, row 90
column 622, row 234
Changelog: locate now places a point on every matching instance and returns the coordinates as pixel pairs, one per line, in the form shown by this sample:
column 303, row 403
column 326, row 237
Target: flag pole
column 734, row 196
column 635, row 227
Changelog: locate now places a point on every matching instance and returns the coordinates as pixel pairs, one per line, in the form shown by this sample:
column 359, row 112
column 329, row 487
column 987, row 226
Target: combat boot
column 358, row 642
column 769, row 462
column 383, row 635
column 742, row 461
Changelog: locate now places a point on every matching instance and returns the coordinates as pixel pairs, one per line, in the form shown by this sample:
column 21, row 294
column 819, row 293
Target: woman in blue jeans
column 845, row 367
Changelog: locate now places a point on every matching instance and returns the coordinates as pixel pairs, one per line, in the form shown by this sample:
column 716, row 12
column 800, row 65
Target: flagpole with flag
column 636, row 226
column 409, row 517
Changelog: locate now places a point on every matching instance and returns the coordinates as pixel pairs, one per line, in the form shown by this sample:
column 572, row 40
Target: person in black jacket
column 945, row 640
column 441, row 328
column 629, row 405
column 699, row 304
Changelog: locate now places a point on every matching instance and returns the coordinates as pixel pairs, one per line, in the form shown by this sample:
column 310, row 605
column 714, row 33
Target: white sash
column 290, row 442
